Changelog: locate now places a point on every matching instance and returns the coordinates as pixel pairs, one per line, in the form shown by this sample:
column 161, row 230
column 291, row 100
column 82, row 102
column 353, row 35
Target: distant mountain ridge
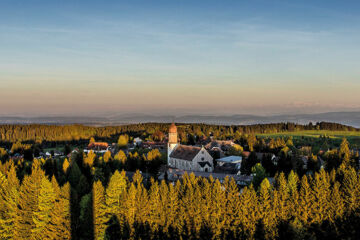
column 346, row 118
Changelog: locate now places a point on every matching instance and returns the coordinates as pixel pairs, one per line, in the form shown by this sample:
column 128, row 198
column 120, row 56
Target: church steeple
column 173, row 134
column 173, row 140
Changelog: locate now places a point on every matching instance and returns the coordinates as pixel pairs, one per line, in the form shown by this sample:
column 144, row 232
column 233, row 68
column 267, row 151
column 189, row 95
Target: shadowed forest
column 95, row 199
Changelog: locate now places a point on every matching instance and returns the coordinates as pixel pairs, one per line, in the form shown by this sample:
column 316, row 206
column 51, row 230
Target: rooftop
column 185, row 152
column 230, row 159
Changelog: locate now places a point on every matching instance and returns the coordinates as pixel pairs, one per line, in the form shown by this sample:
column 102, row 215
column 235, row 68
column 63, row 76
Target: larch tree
column 350, row 190
column 249, row 211
column 116, row 188
column 121, row 157
column 305, row 201
column 107, row 156
column 8, row 209
column 65, row 165
column 99, row 213
column 283, row 196
column 336, row 206
column 42, row 214
column 268, row 214
column 90, row 158
column 123, row 141
column 321, row 193
column 28, row 201
column 344, row 151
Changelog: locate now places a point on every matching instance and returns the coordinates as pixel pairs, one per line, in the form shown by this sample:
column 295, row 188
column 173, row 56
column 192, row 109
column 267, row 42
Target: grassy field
column 313, row 137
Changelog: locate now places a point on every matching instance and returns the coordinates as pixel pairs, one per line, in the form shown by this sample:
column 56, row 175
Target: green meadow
column 317, row 138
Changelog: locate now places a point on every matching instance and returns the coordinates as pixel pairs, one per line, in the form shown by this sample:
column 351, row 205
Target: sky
column 179, row 57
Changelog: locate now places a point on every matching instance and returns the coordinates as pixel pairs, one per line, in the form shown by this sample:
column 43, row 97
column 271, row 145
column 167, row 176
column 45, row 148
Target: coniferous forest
column 92, row 197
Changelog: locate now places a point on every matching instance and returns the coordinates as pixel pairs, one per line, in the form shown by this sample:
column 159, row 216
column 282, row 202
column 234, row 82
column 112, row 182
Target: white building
column 230, row 159
column 189, row 158
column 137, row 141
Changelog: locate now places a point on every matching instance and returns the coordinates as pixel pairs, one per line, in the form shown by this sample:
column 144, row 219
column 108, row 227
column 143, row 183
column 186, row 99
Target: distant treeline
column 39, row 133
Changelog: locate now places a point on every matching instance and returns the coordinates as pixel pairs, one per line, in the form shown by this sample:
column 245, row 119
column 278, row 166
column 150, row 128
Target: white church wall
column 202, row 156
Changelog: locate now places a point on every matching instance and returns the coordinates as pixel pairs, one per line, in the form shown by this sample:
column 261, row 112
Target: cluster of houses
column 209, row 157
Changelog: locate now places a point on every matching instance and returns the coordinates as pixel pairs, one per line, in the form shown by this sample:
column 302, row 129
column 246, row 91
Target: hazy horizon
column 179, row 57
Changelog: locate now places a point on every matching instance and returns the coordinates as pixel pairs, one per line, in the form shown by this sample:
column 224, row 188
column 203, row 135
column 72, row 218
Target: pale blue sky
column 72, row 57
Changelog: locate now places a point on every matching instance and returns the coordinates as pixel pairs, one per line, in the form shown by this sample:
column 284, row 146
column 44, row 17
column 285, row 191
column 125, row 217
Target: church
column 188, row 158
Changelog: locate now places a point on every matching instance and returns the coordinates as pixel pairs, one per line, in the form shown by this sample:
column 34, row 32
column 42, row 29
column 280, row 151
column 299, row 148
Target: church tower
column 173, row 139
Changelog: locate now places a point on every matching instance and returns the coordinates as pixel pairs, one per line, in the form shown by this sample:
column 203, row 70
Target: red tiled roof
column 246, row 154
column 97, row 145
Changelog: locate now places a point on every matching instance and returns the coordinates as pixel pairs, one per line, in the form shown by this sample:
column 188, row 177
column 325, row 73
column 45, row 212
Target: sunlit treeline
column 39, row 133
column 313, row 207
column 199, row 208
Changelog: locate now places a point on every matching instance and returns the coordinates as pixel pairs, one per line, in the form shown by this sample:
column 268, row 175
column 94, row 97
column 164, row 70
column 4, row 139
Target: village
column 208, row 157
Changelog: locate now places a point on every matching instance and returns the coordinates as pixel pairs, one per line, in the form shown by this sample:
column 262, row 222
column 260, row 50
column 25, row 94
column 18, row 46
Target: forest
column 62, row 133
column 323, row 205
column 92, row 196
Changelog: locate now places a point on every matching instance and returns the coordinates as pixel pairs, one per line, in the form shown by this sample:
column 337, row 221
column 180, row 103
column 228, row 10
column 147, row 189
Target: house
column 246, row 154
column 223, row 145
column 58, row 153
column 154, row 145
column 189, row 158
column 230, row 164
column 236, row 160
column 137, row 141
column 98, row 147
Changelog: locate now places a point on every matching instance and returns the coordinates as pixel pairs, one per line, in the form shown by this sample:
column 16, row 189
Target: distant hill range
column 346, row 118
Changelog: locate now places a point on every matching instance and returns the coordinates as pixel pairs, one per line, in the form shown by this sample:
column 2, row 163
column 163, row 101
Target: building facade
column 188, row 158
